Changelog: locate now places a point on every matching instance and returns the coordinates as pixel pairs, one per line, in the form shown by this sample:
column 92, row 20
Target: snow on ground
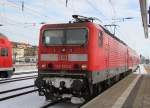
column 25, row 69
column 3, row 95
column 141, row 70
column 31, row 100
column 24, row 75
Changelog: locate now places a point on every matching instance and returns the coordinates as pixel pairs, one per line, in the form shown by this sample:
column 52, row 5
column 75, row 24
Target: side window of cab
column 100, row 39
column 4, row 52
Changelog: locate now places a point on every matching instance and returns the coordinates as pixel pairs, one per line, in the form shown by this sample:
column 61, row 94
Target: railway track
column 16, row 95
column 16, row 89
column 17, row 79
column 63, row 101
column 20, row 91
column 60, row 103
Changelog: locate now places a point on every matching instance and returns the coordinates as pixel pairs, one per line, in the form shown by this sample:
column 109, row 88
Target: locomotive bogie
column 60, row 86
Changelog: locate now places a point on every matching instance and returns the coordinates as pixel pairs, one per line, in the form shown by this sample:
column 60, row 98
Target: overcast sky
column 23, row 24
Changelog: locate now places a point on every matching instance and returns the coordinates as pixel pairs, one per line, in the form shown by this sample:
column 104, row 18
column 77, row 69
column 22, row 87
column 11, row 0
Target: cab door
column 4, row 57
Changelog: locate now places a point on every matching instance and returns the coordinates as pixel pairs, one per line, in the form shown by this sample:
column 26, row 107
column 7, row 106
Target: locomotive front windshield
column 65, row 36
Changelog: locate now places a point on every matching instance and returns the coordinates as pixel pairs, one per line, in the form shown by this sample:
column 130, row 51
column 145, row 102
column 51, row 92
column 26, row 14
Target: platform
column 131, row 92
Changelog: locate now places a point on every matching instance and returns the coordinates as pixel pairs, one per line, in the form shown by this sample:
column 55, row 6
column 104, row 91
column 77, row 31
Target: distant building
column 22, row 50
column 31, row 51
column 147, row 61
column 144, row 60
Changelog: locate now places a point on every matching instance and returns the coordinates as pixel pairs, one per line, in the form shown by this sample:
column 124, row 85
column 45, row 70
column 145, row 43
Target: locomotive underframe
column 56, row 84
column 75, row 83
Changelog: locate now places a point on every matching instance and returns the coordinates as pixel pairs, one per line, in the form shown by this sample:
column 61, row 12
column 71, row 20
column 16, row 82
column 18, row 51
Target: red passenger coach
column 6, row 65
column 133, row 59
column 80, row 58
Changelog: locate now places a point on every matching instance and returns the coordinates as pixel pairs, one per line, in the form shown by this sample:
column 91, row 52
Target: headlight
column 43, row 65
column 83, row 66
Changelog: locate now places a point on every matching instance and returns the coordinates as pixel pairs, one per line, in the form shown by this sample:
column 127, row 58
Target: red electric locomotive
column 80, row 58
column 6, row 65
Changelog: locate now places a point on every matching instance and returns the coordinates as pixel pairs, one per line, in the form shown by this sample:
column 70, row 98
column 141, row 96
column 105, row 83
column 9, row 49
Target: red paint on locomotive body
column 80, row 54
column 111, row 54
column 6, row 65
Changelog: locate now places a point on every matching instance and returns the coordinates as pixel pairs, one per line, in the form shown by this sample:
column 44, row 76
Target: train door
column 4, row 57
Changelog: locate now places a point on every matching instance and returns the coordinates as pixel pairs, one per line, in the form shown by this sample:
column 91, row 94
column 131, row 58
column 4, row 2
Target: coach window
column 100, row 39
column 4, row 52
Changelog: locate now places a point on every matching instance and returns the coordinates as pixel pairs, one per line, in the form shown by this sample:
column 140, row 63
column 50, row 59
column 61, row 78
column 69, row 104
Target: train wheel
column 97, row 89
column 109, row 83
column 117, row 78
column 122, row 76
column 114, row 80
column 87, row 95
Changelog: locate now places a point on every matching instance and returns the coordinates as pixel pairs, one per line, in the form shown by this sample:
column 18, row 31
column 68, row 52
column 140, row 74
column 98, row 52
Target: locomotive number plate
column 63, row 57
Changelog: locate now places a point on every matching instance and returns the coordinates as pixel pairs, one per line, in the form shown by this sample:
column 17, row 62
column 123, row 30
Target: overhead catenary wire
column 33, row 11
column 113, row 8
column 2, row 14
column 3, row 9
column 17, row 23
column 14, row 6
column 70, row 7
column 95, row 8
column 28, row 9
column 12, row 33
column 10, row 21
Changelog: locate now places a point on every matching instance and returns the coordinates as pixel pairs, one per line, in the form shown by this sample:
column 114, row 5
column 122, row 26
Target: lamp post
column 127, row 18
column 117, row 20
column 122, row 19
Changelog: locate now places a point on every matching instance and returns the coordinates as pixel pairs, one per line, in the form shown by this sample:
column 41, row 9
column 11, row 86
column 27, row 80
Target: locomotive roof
column 82, row 19
column 112, row 35
column 107, row 31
